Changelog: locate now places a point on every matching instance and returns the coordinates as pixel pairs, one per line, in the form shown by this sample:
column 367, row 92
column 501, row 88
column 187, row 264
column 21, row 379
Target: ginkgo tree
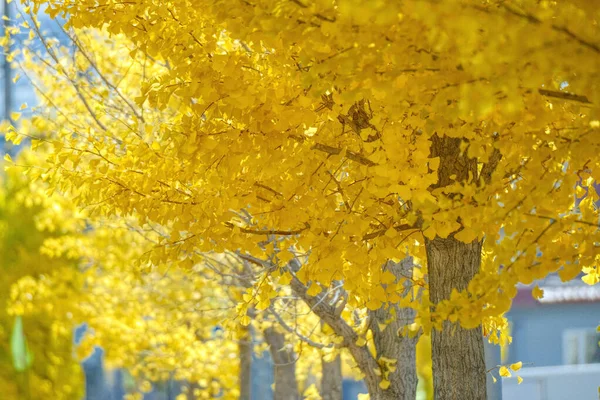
column 124, row 331
column 158, row 325
column 35, row 349
column 352, row 131
column 161, row 324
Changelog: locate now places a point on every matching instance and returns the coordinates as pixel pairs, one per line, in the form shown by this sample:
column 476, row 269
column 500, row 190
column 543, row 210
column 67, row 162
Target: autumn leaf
column 537, row 293
column 384, row 384
column 504, row 372
column 516, row 366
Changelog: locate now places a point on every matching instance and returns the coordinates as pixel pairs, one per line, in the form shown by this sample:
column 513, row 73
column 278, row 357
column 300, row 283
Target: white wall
column 565, row 382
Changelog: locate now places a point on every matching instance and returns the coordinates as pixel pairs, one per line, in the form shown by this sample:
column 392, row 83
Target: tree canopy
column 354, row 132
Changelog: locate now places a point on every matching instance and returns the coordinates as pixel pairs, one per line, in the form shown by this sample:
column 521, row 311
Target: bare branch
column 300, row 336
column 564, row 96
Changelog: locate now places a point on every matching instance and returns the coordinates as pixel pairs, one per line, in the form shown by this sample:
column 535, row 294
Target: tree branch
column 300, row 336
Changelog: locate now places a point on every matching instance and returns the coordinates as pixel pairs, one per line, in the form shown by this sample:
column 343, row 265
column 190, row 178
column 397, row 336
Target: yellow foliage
column 309, row 130
column 319, row 148
column 27, row 218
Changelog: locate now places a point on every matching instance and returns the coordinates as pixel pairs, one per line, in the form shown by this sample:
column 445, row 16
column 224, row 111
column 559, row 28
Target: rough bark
column 331, row 379
column 457, row 354
column 389, row 344
column 245, row 350
column 284, row 364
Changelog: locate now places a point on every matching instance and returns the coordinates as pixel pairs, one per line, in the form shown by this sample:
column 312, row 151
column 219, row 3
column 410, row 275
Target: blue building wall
column 537, row 330
column 104, row 385
column 262, row 377
column 351, row 389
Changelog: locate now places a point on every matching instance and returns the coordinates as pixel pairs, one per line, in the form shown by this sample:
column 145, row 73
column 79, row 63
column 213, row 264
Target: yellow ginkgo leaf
column 519, row 380
column 466, row 235
column 537, row 293
column 505, row 372
column 591, row 278
column 516, row 366
column 314, row 289
column 285, row 278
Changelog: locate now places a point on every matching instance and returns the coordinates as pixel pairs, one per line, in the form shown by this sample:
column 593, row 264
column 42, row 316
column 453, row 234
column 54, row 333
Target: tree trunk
column 284, row 364
column 390, row 344
column 331, row 379
column 457, row 354
column 245, row 350
column 95, row 380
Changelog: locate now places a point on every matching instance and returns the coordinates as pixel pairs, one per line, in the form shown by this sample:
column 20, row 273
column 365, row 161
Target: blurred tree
column 27, row 219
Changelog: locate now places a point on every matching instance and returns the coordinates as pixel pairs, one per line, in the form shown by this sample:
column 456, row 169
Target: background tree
column 27, row 219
